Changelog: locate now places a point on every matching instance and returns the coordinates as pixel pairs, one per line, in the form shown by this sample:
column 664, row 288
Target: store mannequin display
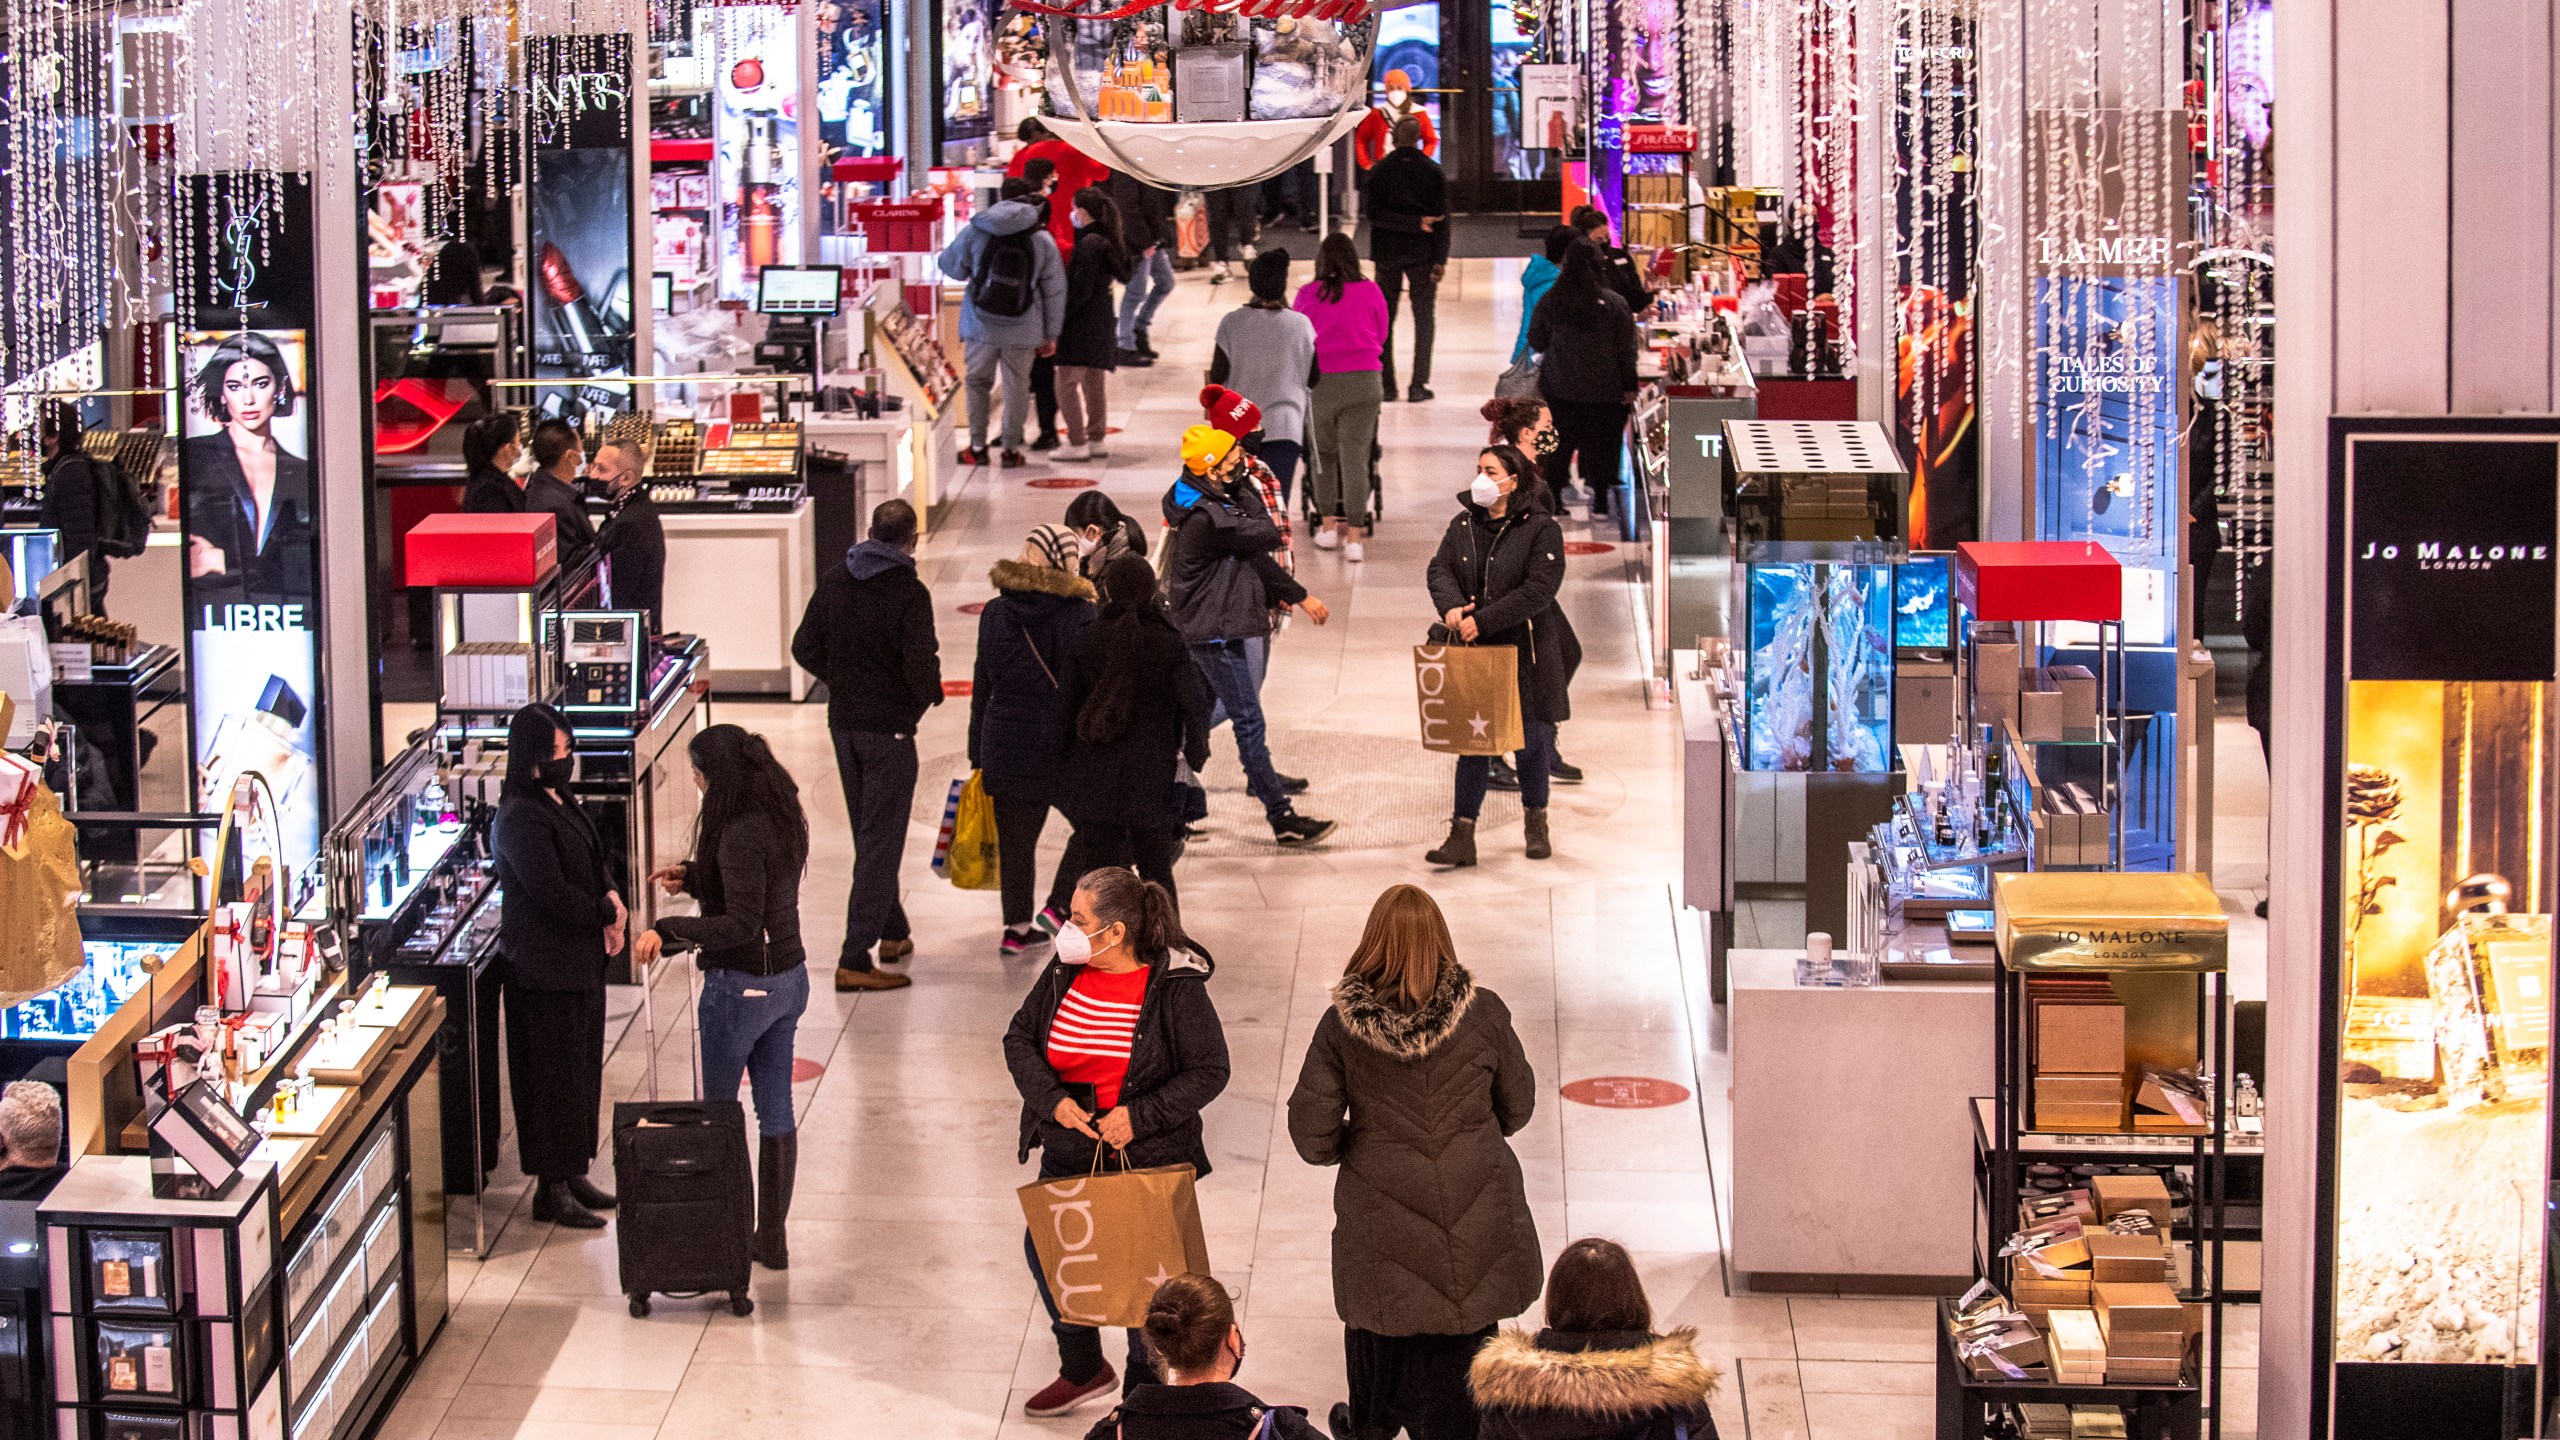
column 1370, row 143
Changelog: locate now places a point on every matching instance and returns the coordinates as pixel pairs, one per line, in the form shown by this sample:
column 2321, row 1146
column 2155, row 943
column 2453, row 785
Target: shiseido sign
column 2451, row 545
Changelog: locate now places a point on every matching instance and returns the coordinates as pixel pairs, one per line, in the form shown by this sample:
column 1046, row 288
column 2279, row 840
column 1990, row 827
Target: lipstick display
column 583, row 337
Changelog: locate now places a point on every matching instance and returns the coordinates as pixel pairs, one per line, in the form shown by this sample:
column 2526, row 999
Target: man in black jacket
column 1409, row 245
column 72, row 487
column 553, row 486
column 869, row 635
column 1146, row 222
column 633, row 538
column 1221, row 582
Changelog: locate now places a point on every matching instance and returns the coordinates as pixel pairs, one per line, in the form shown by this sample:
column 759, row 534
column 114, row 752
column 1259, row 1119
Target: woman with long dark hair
column 490, row 448
column 1103, row 533
column 750, row 844
column 1350, row 318
column 1089, row 341
column 1117, row 1045
column 249, row 503
column 560, row 923
column 1587, row 337
column 1494, row 582
column 1132, row 703
column 1525, row 424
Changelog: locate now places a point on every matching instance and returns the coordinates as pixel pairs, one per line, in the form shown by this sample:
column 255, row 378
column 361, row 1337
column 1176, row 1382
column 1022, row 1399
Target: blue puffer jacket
column 1535, row 281
column 1036, row 326
column 1025, row 637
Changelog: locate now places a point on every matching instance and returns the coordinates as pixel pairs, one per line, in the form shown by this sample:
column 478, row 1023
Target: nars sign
column 568, row 95
column 2140, row 252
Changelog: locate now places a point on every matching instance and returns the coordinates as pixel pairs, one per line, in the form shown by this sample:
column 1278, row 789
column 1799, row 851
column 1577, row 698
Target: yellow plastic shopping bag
column 971, row 864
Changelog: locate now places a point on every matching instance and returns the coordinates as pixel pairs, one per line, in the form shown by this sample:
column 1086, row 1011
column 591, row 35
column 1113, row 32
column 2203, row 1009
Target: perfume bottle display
column 2490, row 979
column 267, row 740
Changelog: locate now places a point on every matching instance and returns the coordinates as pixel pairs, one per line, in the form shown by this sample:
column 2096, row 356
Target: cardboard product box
column 1995, row 669
column 2173, row 1098
column 1924, row 706
column 2037, row 1209
column 2039, row 714
column 2071, row 1288
column 2079, row 1117
column 2079, row 690
column 2164, row 923
column 2146, row 1372
column 2126, row 1259
column 1995, row 708
column 2060, row 1244
column 2119, row 1193
column 2080, row 1100
column 2019, row 1344
column 2043, row 1421
column 2076, row 1037
column 2097, row 1422
column 2124, row 1344
column 2077, row 1340
column 2149, row 1305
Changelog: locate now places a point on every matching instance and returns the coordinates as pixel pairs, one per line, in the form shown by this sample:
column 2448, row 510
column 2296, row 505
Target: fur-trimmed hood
column 1657, row 1373
column 1408, row 1034
column 1043, row 579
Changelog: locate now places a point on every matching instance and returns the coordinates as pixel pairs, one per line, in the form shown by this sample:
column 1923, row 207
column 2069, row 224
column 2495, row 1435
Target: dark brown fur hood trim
column 1409, row 1034
column 1014, row 575
column 1512, row 1373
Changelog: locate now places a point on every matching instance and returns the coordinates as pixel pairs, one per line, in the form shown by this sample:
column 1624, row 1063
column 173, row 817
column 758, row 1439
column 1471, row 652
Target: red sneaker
column 969, row 456
column 1013, row 460
column 1062, row 1394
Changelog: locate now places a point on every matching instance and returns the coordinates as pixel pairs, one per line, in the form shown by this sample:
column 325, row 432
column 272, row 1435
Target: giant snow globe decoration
column 1212, row 94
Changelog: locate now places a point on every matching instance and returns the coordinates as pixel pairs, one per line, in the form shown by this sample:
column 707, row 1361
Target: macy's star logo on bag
column 1482, row 725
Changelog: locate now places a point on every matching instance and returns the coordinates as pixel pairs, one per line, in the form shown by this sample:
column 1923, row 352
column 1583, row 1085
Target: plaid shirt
column 1270, row 484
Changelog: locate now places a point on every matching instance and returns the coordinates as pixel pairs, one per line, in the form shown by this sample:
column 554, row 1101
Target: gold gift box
column 2168, row 923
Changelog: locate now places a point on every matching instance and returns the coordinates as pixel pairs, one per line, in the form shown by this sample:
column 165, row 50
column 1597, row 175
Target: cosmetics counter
column 1696, row 380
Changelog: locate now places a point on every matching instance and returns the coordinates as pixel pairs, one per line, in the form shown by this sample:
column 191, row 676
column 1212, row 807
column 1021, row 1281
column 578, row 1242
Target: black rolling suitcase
column 687, row 1218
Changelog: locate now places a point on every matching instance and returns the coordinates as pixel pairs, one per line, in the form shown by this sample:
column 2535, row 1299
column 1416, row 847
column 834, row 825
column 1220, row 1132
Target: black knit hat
column 1268, row 276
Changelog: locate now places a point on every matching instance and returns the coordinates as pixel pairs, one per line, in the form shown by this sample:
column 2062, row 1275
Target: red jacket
column 1377, row 134
column 1076, row 170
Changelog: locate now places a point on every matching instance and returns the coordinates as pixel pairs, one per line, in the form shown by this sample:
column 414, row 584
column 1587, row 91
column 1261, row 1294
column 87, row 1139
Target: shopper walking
column 1025, row 635
column 750, row 844
column 633, row 538
column 1595, row 1370
column 1117, row 1045
column 1088, row 342
column 1146, row 222
column 1222, row 583
column 1226, row 410
column 560, row 923
column 1616, row 264
column 868, row 633
column 1412, row 1084
column 1266, row 352
column 75, row 493
column 1536, row 278
column 1010, row 313
column 1042, row 176
column 1103, row 534
column 559, row 459
column 1134, row 704
column 1494, row 582
column 1350, row 320
column 1232, row 228
column 1525, row 425
column 1408, row 206
column 1197, row 1347
column 490, row 449
column 1586, row 339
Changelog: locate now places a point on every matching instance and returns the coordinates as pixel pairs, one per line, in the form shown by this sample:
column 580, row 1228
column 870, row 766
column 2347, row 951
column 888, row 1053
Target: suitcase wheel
column 741, row 1303
column 640, row 1307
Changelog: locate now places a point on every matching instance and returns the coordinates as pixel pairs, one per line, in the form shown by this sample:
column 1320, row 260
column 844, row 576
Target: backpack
column 1006, row 282
column 124, row 525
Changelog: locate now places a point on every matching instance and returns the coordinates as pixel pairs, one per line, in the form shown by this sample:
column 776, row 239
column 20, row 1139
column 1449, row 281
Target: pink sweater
column 1350, row 332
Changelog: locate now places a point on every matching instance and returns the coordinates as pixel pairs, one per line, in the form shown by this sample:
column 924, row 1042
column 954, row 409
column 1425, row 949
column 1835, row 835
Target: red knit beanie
column 1230, row 411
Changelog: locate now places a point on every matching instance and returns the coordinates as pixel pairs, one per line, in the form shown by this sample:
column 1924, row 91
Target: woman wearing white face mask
column 1117, row 1045
column 1103, row 533
column 1494, row 582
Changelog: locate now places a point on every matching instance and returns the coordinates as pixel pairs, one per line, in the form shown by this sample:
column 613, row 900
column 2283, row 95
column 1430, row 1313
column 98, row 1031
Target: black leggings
column 1596, row 433
column 1150, row 852
column 1231, row 220
column 1018, row 827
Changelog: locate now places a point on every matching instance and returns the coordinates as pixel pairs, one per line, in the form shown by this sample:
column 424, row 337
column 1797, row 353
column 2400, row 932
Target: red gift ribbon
column 13, row 815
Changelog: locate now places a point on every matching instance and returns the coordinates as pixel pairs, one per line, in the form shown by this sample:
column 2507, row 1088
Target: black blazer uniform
column 274, row 569
column 557, row 893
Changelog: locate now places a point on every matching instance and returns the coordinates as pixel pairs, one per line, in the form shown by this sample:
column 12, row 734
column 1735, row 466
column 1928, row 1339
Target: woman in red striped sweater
column 1117, row 1044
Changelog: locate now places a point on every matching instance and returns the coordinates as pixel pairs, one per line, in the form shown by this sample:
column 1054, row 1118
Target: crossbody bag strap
column 1034, row 647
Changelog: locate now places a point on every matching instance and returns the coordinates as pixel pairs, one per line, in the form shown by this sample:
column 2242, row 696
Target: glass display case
column 1818, row 626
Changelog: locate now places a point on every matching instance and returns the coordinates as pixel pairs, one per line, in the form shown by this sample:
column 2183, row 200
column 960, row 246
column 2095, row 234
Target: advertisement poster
column 1549, row 119
column 2439, row 950
column 248, row 496
column 968, row 70
column 756, row 127
column 579, row 206
column 853, row 97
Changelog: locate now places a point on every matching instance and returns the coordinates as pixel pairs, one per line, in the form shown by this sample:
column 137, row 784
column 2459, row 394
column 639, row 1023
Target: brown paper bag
column 1108, row 1239
column 1470, row 698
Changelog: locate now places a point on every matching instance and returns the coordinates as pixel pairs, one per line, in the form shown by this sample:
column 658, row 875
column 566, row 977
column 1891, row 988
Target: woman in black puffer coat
column 1597, row 1371
column 1494, row 582
column 1133, row 702
column 1413, row 1084
column 1025, row 635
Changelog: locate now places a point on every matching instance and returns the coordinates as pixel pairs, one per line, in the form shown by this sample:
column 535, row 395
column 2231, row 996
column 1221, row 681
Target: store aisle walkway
column 908, row 1311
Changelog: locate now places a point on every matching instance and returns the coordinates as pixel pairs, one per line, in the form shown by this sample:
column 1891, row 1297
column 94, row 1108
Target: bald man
column 633, row 540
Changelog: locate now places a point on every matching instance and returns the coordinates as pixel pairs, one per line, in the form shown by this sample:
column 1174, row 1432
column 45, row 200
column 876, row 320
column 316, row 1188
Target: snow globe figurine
column 1211, row 94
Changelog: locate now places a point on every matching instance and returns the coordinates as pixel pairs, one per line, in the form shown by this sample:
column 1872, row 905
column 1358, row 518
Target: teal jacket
column 1534, row 284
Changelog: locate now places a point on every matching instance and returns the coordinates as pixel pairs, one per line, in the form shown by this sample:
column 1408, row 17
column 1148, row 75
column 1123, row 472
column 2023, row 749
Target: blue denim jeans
column 1283, row 457
column 1150, row 281
column 1229, row 667
column 747, row 1021
column 1475, row 772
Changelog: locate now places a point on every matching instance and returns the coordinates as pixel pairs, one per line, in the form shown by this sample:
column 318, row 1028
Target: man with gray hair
column 31, row 1132
column 633, row 540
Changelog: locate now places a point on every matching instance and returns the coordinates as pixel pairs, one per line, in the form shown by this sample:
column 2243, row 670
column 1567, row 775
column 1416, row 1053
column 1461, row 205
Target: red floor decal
column 1625, row 1092
column 803, row 1071
column 1586, row 547
column 954, row 689
column 973, row 607
column 1062, row 482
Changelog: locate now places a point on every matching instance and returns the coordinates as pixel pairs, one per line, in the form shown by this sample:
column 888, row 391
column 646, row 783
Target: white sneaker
column 1328, row 538
column 1352, row 551
column 1071, row 452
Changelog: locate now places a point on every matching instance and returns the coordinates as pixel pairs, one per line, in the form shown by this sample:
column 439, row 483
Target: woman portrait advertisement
column 248, row 492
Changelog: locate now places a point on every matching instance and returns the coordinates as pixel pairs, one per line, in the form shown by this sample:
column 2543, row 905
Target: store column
column 2416, row 235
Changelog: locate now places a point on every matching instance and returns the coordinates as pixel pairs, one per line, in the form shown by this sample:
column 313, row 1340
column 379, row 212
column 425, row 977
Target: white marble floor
column 908, row 1310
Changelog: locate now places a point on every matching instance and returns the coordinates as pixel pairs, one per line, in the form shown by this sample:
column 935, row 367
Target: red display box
column 483, row 551
column 895, row 227
column 2038, row 580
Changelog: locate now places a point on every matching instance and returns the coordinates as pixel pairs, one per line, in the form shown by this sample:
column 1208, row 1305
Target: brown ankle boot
column 1535, row 822
column 1459, row 850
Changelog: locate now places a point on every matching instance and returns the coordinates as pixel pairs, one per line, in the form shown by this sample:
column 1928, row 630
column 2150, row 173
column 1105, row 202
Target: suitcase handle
column 670, row 1117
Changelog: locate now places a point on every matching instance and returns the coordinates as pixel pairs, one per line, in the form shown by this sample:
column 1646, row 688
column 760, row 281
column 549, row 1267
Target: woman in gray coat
column 1413, row 1085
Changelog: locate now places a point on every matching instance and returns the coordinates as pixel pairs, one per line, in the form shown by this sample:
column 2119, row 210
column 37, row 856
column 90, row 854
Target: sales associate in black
column 490, row 449
column 562, row 923
column 71, row 494
column 1409, row 244
column 633, row 538
column 558, row 460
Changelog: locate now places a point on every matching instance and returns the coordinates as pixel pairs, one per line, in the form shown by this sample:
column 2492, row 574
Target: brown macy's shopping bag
column 1108, row 1239
column 1470, row 698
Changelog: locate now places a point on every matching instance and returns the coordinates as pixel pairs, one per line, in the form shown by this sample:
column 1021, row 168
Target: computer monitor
column 800, row 290
column 662, row 291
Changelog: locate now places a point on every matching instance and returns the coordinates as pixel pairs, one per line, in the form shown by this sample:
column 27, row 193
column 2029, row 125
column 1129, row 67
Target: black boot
column 586, row 1193
column 1146, row 347
column 777, row 1164
column 553, row 1204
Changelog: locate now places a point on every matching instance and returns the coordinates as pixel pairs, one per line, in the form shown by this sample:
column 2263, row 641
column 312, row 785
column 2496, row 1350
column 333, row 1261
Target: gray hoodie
column 1040, row 324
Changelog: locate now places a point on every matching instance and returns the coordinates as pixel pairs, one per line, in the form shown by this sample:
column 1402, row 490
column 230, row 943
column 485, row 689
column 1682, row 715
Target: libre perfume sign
column 2450, row 546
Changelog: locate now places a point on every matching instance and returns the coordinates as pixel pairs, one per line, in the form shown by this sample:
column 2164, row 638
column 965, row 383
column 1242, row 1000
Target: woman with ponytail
column 1130, row 703
column 1116, row 1048
column 1197, row 1346
column 751, row 841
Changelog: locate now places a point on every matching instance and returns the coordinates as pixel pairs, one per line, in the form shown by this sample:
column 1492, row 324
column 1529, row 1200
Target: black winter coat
column 555, row 893
column 1510, row 570
column 1218, row 571
column 1586, row 357
column 1404, row 188
column 491, row 491
column 1177, row 1065
column 70, row 505
column 868, row 633
column 750, row 894
column 1146, row 211
column 634, row 538
column 1025, row 637
column 1216, row 1411
column 568, row 507
column 1091, row 334
column 1431, row 1227
column 1129, row 780
column 1624, row 1385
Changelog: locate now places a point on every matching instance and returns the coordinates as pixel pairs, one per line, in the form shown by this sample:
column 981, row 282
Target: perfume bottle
column 2248, row 1111
column 2490, row 979
column 267, row 740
